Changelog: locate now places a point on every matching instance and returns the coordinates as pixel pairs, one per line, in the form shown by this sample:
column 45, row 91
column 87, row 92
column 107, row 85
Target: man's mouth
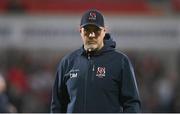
column 91, row 42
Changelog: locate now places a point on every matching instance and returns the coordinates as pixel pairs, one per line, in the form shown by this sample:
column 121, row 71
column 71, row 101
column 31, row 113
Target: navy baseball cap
column 92, row 17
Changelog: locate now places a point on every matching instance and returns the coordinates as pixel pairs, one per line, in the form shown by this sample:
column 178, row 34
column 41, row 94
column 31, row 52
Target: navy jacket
column 4, row 103
column 97, row 82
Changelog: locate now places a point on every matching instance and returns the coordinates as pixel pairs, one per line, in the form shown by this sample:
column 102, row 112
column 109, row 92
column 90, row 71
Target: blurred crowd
column 145, row 7
column 158, row 86
column 29, row 75
column 28, row 79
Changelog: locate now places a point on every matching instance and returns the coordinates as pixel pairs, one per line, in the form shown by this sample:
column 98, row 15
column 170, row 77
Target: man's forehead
column 90, row 26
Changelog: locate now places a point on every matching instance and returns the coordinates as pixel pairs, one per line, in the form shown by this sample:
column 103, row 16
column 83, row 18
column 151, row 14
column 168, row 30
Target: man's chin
column 91, row 48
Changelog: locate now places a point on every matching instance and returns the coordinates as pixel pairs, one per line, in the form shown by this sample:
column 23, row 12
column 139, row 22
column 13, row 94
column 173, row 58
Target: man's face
column 92, row 37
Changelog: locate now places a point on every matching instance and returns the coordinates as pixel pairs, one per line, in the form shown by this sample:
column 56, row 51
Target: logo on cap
column 92, row 16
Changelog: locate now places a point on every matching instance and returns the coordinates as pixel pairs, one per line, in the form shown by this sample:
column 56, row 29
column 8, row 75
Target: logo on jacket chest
column 101, row 72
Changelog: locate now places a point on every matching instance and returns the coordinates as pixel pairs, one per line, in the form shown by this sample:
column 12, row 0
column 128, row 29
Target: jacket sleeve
column 59, row 93
column 129, row 91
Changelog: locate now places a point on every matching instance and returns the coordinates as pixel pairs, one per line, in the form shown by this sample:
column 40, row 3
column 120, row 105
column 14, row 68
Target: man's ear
column 106, row 29
column 80, row 29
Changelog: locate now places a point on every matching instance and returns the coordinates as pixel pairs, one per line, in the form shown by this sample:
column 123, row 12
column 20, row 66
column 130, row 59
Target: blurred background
column 36, row 34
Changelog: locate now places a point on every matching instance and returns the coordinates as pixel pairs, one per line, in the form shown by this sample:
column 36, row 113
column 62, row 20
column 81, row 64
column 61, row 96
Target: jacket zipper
column 93, row 71
column 92, row 66
column 90, row 72
column 85, row 89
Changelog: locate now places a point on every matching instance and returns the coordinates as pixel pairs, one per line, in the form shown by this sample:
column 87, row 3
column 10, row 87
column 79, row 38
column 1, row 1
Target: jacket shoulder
column 72, row 55
column 68, row 58
column 121, row 55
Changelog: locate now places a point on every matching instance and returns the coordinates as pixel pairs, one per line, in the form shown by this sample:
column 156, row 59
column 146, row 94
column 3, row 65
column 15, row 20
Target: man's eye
column 98, row 29
column 86, row 29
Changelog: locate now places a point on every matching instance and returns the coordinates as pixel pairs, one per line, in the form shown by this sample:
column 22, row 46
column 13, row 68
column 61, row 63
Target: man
column 95, row 78
column 5, row 105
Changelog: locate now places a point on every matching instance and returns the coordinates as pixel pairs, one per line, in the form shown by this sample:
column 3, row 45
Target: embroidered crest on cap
column 92, row 16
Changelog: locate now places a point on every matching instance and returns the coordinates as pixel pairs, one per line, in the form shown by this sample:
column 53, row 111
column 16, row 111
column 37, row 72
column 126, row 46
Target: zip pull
column 88, row 52
column 89, row 56
column 93, row 72
column 93, row 68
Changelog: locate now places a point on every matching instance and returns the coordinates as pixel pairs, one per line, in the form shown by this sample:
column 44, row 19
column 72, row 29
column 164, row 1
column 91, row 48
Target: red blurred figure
column 18, row 85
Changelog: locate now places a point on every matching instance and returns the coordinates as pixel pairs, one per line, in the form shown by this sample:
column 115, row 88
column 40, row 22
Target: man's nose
column 92, row 35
